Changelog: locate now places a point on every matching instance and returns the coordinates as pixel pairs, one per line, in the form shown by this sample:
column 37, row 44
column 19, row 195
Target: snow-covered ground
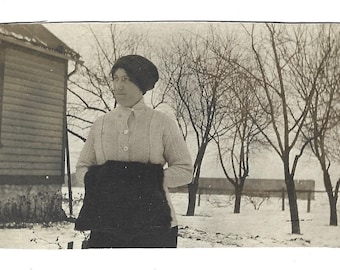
column 213, row 226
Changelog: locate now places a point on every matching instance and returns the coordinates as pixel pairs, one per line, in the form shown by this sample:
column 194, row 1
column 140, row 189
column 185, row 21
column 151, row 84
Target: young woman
column 130, row 158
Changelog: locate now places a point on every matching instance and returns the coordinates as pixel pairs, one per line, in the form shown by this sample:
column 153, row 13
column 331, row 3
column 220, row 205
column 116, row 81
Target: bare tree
column 323, row 117
column 195, row 77
column 244, row 115
column 236, row 146
column 278, row 51
column 175, row 75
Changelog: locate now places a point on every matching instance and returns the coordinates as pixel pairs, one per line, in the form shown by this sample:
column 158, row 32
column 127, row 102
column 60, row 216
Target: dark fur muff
column 124, row 197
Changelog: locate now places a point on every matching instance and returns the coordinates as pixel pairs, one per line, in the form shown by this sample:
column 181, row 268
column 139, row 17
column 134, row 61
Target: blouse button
column 126, row 131
column 125, row 148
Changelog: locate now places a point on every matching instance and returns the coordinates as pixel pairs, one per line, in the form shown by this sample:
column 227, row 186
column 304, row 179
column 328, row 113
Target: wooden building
column 33, row 85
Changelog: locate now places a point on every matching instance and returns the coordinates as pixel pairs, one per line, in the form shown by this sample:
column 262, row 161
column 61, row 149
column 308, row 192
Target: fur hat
column 140, row 70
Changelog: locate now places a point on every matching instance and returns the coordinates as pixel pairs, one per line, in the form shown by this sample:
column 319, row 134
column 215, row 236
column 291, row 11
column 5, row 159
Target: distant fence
column 253, row 187
column 305, row 189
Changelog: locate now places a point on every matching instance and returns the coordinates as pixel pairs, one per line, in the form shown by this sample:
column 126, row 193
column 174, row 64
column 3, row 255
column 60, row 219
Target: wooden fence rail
column 308, row 196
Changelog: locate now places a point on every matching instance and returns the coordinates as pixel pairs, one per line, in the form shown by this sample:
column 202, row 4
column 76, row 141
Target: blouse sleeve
column 176, row 153
column 87, row 155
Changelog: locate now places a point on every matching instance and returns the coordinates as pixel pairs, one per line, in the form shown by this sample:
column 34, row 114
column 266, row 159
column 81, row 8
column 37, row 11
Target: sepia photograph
column 202, row 136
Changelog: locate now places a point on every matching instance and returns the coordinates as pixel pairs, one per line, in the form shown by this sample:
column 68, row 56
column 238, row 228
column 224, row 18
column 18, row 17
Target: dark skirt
column 155, row 239
column 124, row 200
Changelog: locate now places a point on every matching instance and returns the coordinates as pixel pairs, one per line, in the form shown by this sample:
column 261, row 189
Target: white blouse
column 138, row 134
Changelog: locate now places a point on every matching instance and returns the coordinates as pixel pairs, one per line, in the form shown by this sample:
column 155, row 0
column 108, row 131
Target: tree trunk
column 333, row 220
column 293, row 206
column 192, row 189
column 238, row 196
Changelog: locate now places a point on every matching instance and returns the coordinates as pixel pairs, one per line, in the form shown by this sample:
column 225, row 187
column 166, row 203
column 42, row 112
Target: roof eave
column 41, row 49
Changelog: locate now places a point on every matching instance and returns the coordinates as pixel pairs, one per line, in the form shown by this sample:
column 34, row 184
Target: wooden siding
column 33, row 108
column 2, row 72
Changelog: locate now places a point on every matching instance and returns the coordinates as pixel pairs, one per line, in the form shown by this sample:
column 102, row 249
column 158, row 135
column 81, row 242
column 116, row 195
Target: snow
column 214, row 227
column 21, row 37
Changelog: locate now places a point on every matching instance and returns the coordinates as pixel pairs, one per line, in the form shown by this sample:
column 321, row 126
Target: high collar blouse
column 139, row 134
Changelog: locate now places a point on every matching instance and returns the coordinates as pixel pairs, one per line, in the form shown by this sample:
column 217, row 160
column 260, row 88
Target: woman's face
column 125, row 91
